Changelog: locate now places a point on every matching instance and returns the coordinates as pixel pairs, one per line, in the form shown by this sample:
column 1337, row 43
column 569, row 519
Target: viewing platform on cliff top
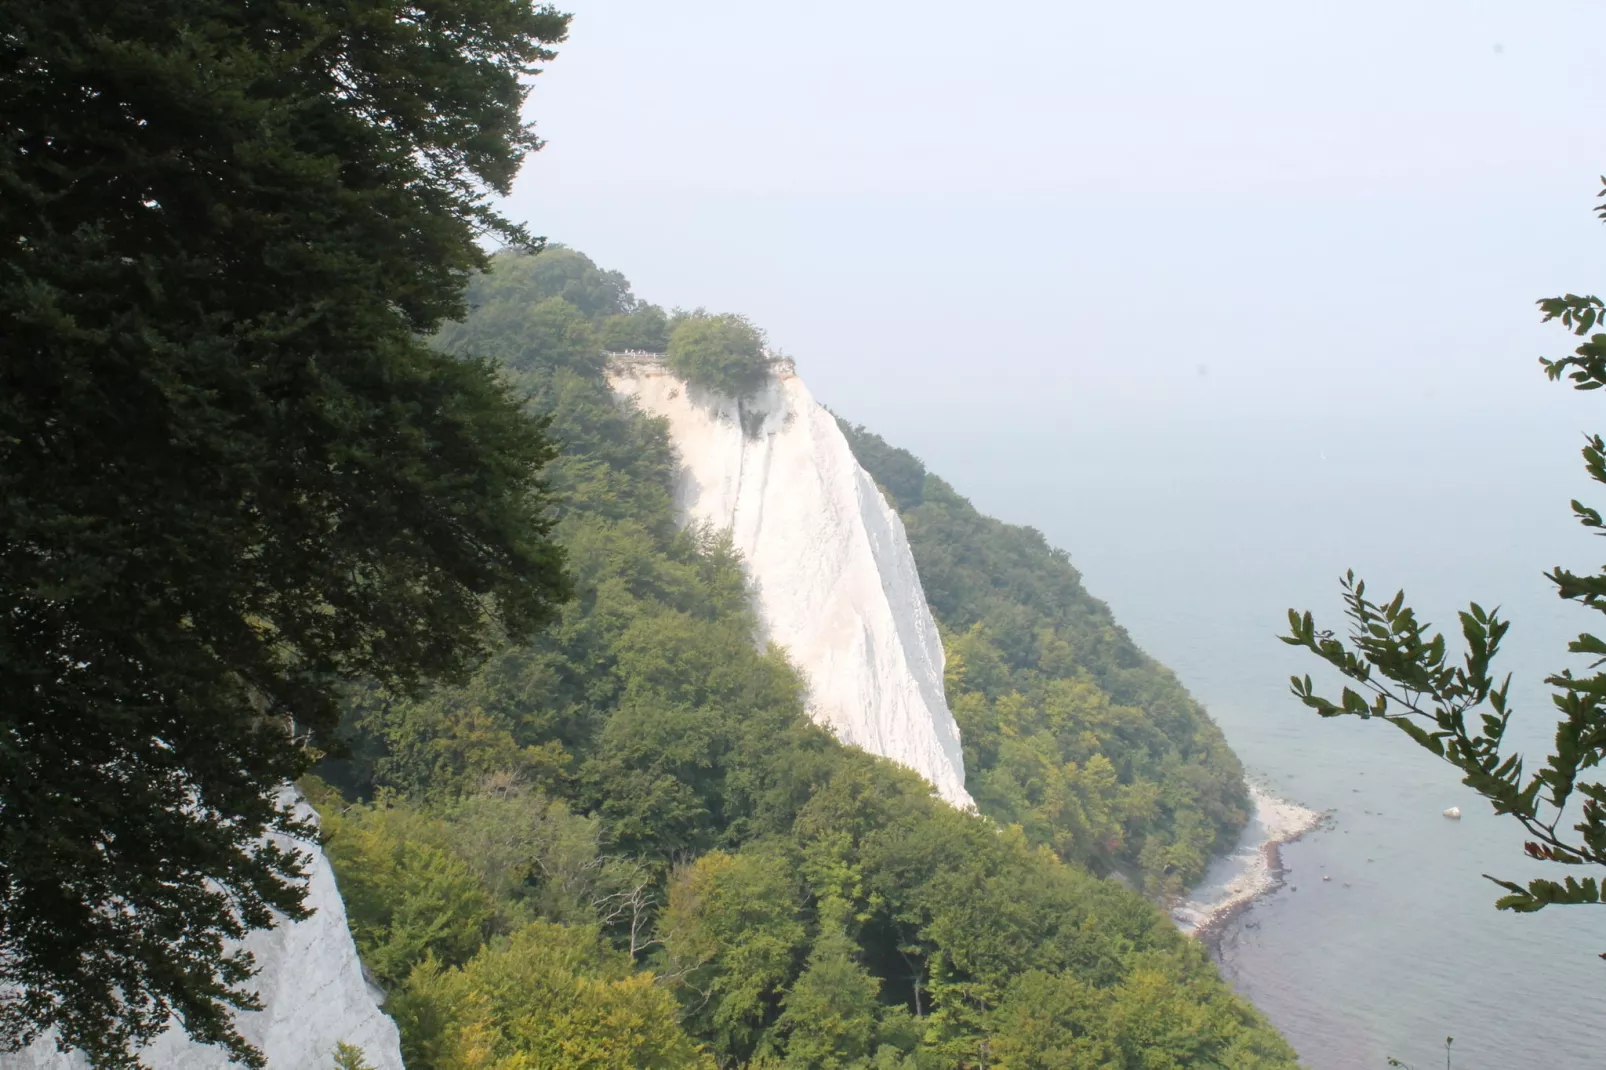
column 647, row 361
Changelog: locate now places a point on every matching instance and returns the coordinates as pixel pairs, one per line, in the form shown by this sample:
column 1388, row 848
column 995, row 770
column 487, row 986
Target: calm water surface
column 1200, row 539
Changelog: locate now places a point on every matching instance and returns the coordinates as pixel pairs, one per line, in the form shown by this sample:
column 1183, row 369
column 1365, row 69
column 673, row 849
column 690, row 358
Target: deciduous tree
column 723, row 353
column 1405, row 673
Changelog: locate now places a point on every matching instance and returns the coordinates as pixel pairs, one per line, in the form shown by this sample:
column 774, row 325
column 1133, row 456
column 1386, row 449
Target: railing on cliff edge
column 649, row 360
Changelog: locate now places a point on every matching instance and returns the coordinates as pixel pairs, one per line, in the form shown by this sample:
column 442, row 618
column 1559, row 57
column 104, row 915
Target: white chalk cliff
column 835, row 584
column 833, row 577
column 313, row 997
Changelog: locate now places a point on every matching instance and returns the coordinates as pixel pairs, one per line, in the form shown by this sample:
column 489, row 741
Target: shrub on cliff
column 724, row 353
column 644, row 328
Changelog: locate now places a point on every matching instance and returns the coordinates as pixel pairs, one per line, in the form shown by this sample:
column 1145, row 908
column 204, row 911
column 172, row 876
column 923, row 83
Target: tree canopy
column 1459, row 710
column 724, row 353
column 232, row 474
column 675, row 867
column 1069, row 729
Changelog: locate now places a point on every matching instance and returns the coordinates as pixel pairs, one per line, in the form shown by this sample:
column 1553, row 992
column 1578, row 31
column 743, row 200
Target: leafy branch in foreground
column 1458, row 710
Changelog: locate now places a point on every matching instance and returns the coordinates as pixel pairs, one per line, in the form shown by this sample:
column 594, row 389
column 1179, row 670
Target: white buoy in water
column 1453, row 813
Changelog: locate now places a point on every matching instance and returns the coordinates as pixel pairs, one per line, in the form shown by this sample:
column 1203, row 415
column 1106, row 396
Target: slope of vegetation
column 1070, row 730
column 624, row 844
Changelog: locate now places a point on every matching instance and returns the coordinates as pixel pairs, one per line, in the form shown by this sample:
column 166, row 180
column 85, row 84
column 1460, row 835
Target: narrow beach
column 1252, row 870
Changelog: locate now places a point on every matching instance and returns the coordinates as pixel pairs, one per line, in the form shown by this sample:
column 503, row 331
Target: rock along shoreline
column 1253, row 870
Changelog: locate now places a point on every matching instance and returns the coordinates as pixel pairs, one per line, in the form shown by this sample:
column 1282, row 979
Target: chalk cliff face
column 835, row 584
column 313, row 997
column 834, row 580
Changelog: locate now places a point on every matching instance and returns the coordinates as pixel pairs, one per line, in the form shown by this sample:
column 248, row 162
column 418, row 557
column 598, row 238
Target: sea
column 1378, row 938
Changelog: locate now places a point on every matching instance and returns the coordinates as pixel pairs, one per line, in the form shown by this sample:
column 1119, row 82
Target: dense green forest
column 624, row 844
column 1070, row 730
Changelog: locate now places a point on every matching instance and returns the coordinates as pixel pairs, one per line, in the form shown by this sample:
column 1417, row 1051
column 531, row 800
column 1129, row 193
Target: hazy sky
column 1078, row 255
column 1222, row 297
column 1092, row 200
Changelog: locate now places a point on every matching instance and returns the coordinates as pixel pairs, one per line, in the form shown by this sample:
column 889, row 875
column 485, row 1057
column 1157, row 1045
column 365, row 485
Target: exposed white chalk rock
column 312, row 990
column 833, row 577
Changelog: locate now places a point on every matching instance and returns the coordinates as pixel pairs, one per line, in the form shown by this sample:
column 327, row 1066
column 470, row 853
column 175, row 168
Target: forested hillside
column 624, row 844
column 1070, row 730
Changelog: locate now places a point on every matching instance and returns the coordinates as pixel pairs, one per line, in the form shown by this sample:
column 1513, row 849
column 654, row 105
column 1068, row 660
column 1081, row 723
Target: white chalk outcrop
column 312, row 990
column 834, row 580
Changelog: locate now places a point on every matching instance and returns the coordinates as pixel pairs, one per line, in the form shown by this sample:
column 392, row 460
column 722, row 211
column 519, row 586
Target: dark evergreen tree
column 231, row 473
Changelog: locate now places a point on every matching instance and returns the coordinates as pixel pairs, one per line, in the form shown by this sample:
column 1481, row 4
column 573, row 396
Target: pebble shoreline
column 1276, row 822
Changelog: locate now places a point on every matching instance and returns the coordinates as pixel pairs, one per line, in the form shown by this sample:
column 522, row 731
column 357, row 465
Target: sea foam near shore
column 1253, row 869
